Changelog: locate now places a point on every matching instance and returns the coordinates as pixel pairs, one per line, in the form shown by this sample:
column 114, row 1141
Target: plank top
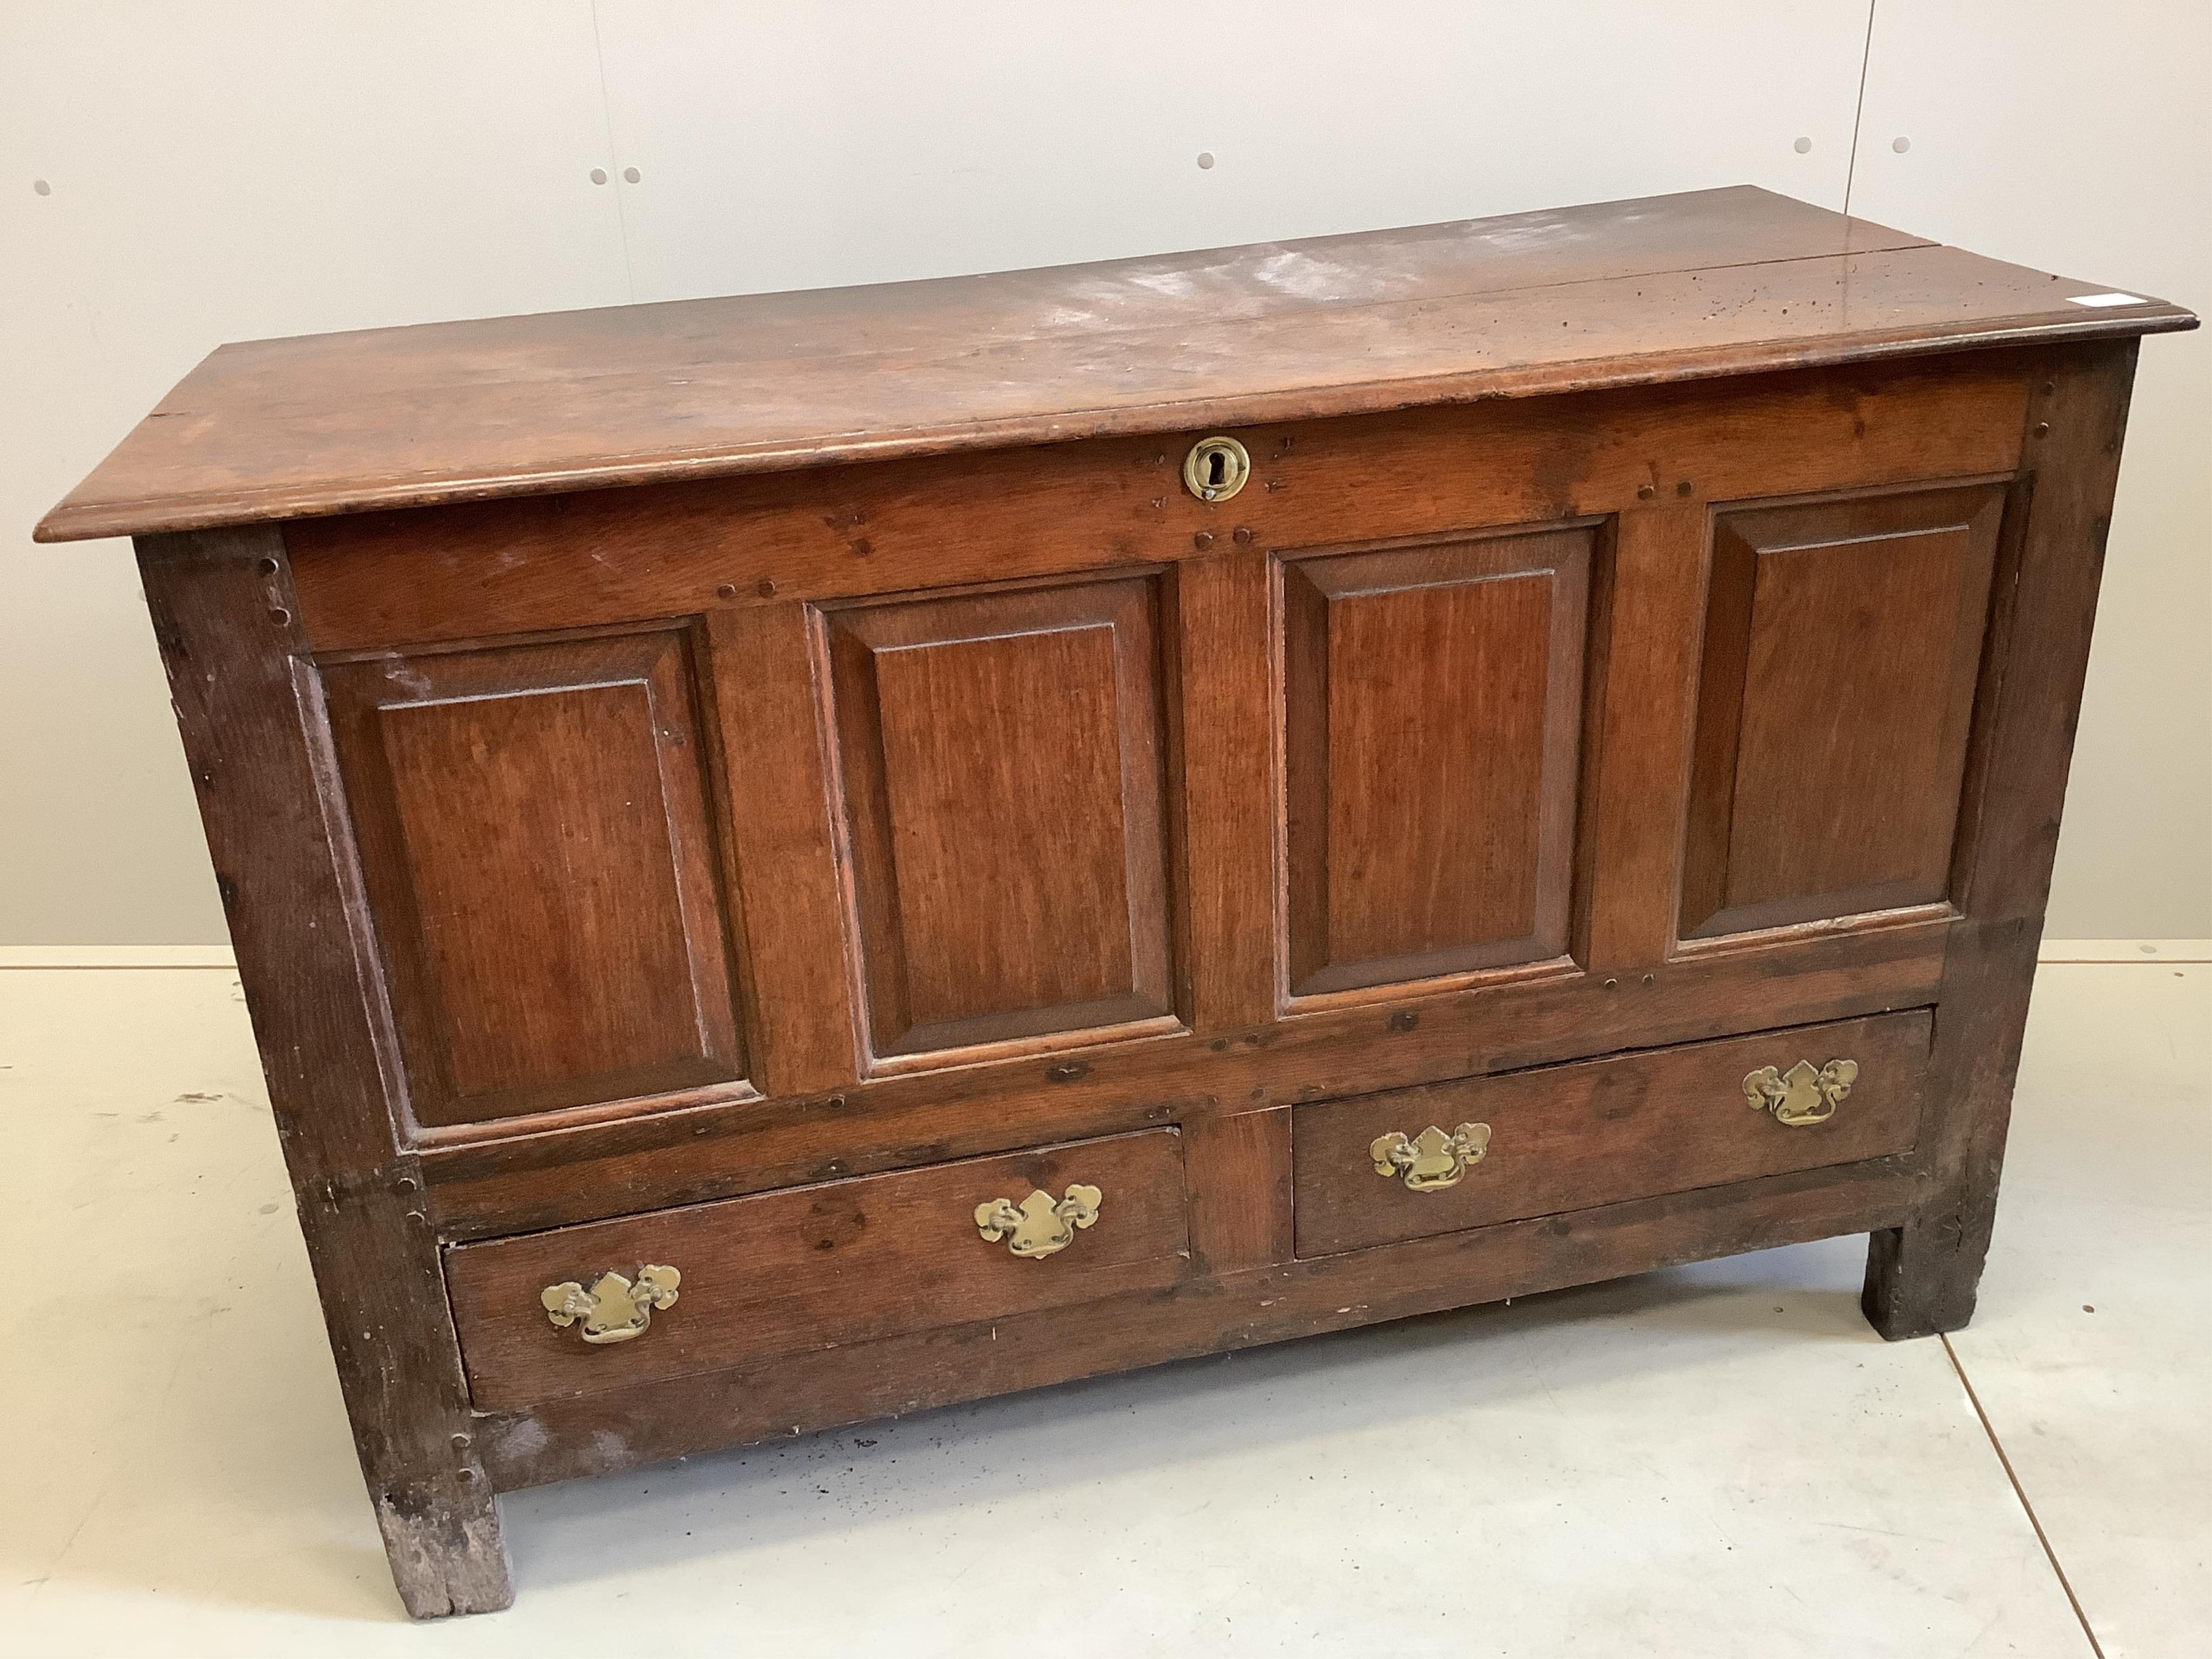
column 1706, row 284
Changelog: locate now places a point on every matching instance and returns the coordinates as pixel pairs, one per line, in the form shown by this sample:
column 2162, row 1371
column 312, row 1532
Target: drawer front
column 1569, row 1136
column 816, row 1267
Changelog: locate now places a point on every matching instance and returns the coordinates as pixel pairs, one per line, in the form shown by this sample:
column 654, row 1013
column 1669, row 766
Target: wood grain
column 1923, row 1276
column 818, row 1267
column 249, row 710
column 1002, row 770
column 782, row 848
column 564, row 941
column 1625, row 293
column 1645, row 704
column 625, row 555
column 1842, row 644
column 689, row 1152
column 1239, row 1173
column 1222, row 604
column 1433, row 699
column 1564, row 1136
column 599, row 1433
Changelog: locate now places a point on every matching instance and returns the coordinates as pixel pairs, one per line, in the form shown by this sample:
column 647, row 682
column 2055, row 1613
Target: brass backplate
column 616, row 1308
column 1802, row 1095
column 1216, row 468
column 1431, row 1160
column 1039, row 1225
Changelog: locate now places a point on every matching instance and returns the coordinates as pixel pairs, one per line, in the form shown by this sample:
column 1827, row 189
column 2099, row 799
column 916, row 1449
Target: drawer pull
column 1038, row 1226
column 614, row 1309
column 1800, row 1097
column 1431, row 1160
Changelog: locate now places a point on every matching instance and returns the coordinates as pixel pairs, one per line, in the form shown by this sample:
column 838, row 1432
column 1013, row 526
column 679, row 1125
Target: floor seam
column 2020, row 1492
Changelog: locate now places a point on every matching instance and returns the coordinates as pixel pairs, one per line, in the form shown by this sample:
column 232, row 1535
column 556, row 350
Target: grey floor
column 1715, row 1461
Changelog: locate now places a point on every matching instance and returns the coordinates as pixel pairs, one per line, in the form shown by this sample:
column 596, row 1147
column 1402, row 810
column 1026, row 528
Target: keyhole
column 1216, row 468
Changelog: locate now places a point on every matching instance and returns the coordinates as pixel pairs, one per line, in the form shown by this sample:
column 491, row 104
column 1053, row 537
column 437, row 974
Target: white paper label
column 2105, row 299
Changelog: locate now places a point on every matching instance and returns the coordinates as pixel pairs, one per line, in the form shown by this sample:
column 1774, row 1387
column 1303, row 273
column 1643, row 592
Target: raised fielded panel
column 1844, row 641
column 534, row 833
column 1432, row 712
column 1002, row 759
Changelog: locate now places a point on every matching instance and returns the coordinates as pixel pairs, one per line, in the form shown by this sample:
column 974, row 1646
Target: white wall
column 225, row 171
column 2080, row 140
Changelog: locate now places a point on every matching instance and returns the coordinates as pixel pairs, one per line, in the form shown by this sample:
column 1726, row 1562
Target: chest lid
column 1705, row 283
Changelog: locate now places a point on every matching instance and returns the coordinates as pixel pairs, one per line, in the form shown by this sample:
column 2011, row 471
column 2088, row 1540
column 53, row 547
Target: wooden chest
column 807, row 856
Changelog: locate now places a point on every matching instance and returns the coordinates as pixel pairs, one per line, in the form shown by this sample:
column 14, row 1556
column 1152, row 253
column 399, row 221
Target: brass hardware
column 1801, row 1095
column 1039, row 1226
column 1216, row 468
column 614, row 1309
column 1431, row 1160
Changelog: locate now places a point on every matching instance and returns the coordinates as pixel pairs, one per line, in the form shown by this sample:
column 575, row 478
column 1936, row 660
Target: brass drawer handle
column 1431, row 1160
column 615, row 1308
column 1039, row 1225
column 1800, row 1097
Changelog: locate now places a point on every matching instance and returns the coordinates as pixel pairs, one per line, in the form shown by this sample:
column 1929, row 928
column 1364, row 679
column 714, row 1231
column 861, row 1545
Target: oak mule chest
column 807, row 856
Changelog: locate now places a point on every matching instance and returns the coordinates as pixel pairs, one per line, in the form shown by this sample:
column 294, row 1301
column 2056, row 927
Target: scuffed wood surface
column 1623, row 292
column 224, row 614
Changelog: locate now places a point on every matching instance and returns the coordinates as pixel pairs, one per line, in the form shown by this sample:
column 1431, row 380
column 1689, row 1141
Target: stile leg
column 446, row 1551
column 1922, row 1278
column 249, row 707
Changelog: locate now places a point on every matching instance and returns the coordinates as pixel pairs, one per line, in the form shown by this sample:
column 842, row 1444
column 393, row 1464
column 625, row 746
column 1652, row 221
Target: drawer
column 1569, row 1136
column 816, row 1266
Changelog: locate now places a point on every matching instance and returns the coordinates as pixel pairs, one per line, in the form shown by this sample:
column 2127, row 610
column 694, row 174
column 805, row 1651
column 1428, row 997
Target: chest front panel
column 871, row 791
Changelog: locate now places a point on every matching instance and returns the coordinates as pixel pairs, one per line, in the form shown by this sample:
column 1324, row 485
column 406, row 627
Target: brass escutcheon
column 1431, row 1160
column 1800, row 1097
column 615, row 1308
column 1038, row 1226
column 1216, row 468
